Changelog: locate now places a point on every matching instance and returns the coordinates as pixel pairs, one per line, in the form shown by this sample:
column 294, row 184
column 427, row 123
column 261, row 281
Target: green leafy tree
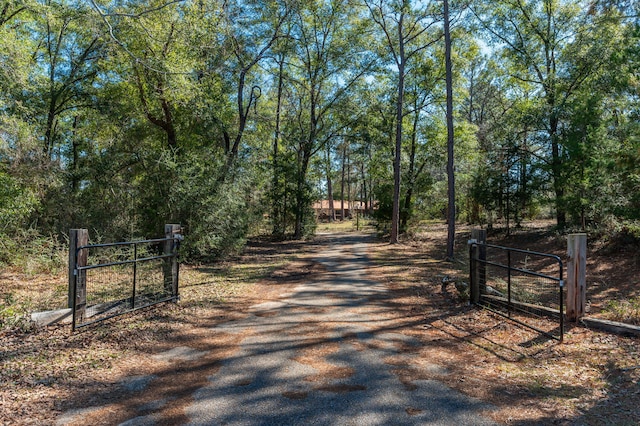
column 327, row 64
column 555, row 48
column 406, row 30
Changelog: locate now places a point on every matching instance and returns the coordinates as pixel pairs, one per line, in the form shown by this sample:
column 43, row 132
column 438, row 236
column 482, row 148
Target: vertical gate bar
column 75, row 293
column 73, row 257
column 135, row 271
column 177, row 285
column 509, row 282
column 480, row 236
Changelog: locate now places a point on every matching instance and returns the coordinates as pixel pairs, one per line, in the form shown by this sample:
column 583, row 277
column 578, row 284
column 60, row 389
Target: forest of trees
column 229, row 116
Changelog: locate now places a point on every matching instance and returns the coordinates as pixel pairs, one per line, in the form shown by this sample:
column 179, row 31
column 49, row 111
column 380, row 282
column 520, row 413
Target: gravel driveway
column 325, row 354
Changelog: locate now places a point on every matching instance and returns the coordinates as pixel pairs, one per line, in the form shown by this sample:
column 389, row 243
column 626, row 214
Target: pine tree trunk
column 451, row 213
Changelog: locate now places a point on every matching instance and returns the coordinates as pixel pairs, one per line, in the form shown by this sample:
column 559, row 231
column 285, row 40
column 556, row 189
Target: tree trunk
column 49, row 134
column 406, row 210
column 344, row 156
column 332, row 211
column 304, row 157
column 165, row 122
column 556, row 170
column 395, row 215
column 74, row 157
column 349, row 195
column 300, row 197
column 451, row 213
column 365, row 196
column 278, row 228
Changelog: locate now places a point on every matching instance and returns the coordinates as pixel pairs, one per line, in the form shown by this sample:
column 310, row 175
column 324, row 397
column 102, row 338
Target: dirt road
column 325, row 353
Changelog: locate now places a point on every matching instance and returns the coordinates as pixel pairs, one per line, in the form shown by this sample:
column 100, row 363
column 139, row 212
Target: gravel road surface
column 320, row 356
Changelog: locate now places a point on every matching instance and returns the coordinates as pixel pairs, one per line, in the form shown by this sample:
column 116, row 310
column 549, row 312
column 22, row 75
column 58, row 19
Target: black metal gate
column 116, row 278
column 522, row 285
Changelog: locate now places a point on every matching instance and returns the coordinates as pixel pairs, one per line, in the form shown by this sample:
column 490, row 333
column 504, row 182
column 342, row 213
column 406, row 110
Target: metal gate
column 116, row 278
column 522, row 285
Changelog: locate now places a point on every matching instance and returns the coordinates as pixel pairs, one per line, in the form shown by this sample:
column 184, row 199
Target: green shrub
column 16, row 204
column 216, row 221
column 33, row 253
column 14, row 314
column 630, row 232
column 627, row 311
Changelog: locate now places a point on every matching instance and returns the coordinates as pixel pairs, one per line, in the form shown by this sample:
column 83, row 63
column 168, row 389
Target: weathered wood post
column 576, row 276
column 478, row 254
column 171, row 263
column 474, row 288
column 78, row 279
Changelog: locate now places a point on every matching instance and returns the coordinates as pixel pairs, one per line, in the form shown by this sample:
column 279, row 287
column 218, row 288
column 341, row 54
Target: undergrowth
column 30, row 253
column 627, row 311
column 14, row 314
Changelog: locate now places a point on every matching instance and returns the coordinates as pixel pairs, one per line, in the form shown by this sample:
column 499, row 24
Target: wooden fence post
column 171, row 263
column 576, row 276
column 77, row 279
column 478, row 273
column 474, row 287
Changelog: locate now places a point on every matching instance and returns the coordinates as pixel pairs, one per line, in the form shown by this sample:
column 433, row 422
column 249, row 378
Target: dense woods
column 232, row 117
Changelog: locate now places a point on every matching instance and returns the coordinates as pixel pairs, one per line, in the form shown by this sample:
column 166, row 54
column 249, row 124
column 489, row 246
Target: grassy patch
column 348, row 225
column 627, row 311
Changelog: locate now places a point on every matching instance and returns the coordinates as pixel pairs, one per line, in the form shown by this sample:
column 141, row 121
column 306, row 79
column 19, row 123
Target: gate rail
column 482, row 293
column 157, row 282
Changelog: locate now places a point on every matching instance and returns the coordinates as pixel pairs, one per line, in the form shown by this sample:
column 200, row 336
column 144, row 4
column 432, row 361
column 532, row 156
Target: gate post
column 171, row 263
column 576, row 276
column 479, row 275
column 77, row 298
column 474, row 289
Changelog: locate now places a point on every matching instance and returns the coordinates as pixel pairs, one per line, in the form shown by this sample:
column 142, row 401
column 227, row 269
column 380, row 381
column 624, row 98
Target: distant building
column 323, row 211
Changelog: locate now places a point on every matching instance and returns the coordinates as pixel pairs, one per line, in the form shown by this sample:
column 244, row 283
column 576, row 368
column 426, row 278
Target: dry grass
column 348, row 225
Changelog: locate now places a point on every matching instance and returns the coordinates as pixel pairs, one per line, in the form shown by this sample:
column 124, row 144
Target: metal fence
column 522, row 285
column 115, row 278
